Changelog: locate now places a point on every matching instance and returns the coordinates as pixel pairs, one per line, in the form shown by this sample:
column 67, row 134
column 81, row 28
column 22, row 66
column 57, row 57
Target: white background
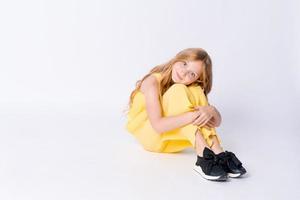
column 67, row 69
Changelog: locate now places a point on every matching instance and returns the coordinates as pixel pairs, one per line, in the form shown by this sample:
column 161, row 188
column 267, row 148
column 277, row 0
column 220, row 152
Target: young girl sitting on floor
column 169, row 111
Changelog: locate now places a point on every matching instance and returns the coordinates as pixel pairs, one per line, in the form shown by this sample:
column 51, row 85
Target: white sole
column 214, row 178
column 233, row 175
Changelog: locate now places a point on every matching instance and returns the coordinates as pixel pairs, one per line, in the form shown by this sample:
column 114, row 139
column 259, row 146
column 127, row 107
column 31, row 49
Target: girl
column 169, row 111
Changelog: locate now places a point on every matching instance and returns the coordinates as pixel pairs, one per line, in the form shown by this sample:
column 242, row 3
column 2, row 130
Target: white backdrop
column 67, row 69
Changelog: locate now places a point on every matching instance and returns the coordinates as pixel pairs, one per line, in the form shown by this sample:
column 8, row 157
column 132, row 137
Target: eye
column 193, row 75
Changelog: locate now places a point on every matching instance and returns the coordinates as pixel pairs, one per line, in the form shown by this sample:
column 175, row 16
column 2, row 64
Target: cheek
column 173, row 75
column 173, row 70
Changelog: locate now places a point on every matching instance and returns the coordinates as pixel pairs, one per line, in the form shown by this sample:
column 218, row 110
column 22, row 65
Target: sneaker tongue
column 208, row 154
column 207, row 151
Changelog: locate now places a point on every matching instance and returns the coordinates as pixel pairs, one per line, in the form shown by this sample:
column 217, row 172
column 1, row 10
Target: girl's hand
column 204, row 115
column 210, row 123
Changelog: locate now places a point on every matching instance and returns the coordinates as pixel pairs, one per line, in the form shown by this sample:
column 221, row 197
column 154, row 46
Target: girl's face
column 186, row 72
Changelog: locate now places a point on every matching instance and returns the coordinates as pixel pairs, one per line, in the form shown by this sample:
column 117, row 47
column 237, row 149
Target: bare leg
column 200, row 143
column 216, row 147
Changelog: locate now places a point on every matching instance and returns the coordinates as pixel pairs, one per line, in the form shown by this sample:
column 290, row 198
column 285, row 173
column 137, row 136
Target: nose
column 183, row 72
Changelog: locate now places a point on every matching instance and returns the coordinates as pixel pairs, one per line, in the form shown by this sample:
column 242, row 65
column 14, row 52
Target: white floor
column 85, row 153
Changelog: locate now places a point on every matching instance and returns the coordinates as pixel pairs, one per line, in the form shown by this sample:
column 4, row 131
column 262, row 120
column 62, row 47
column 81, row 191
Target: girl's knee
column 177, row 87
column 176, row 90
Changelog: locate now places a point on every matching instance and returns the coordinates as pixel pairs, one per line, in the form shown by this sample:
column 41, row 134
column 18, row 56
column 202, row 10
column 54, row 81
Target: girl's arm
column 216, row 119
column 159, row 123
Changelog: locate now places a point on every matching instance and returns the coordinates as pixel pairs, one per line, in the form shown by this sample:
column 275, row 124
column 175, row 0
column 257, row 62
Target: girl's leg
column 216, row 147
column 200, row 143
column 201, row 99
column 180, row 99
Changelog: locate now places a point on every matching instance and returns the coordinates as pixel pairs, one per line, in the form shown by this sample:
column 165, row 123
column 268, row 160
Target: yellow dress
column 178, row 99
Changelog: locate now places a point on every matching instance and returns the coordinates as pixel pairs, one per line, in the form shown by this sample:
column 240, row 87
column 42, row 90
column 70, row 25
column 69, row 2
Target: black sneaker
column 209, row 167
column 231, row 164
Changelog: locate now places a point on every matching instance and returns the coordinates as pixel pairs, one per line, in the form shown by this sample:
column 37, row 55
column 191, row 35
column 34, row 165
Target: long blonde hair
column 189, row 54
